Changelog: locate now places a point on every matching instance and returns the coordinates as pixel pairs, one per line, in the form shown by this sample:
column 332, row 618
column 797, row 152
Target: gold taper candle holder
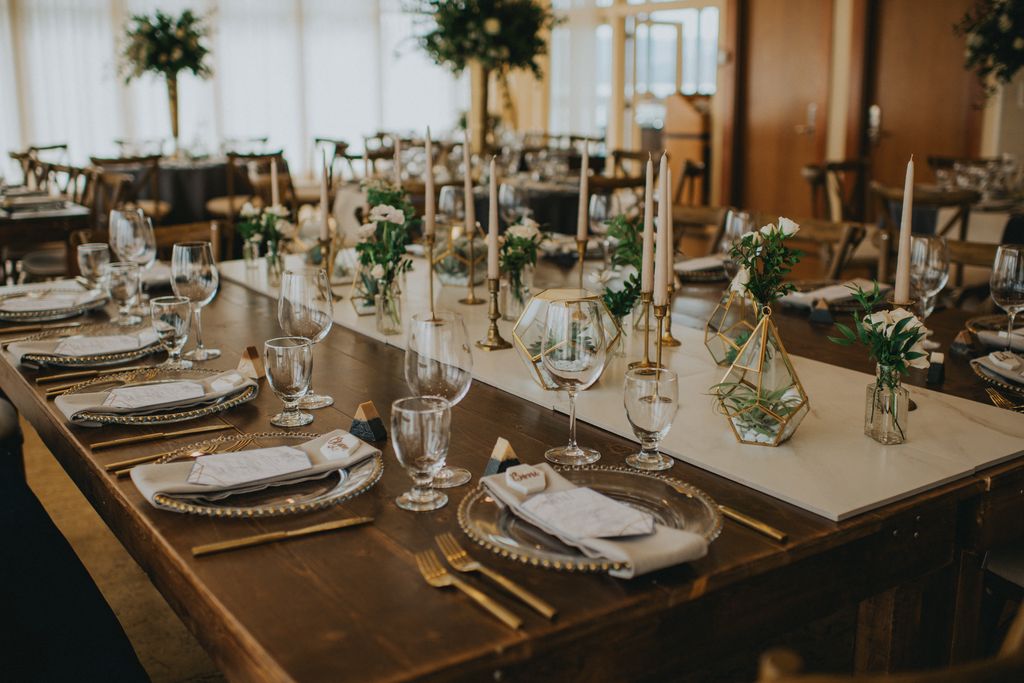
column 327, row 257
column 667, row 339
column 659, row 314
column 581, row 247
column 645, row 301
column 471, row 298
column 493, row 341
column 428, row 246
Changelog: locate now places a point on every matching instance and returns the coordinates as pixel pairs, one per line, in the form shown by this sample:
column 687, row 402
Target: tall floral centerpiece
column 166, row 45
column 895, row 341
column 995, row 41
column 382, row 256
column 517, row 257
column 485, row 36
column 761, row 394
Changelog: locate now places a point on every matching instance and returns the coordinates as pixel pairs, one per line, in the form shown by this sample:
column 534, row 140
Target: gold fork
column 210, row 450
column 1002, row 402
column 460, row 560
column 439, row 577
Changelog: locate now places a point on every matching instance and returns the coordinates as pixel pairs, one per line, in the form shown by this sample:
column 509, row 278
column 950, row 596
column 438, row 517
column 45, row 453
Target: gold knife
column 755, row 524
column 260, row 539
column 99, row 445
column 85, row 374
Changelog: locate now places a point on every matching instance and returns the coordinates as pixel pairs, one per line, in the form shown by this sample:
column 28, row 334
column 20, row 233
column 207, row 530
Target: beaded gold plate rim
column 92, row 360
column 50, row 314
column 333, row 497
column 996, row 382
column 584, row 565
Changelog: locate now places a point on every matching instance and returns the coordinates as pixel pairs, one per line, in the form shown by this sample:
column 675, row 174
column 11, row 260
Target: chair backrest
column 168, row 235
column 106, row 192
column 979, row 254
column 627, row 162
column 144, row 171
column 72, row 181
column 32, row 169
column 256, row 167
column 838, row 189
column 692, row 172
column 701, row 217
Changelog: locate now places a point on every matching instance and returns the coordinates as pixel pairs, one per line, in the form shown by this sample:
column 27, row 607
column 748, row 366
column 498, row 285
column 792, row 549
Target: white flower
column 287, row 229
column 921, row 362
column 739, row 283
column 492, row 26
column 366, row 231
column 899, row 314
column 786, row 228
column 620, row 277
column 248, row 211
column 1005, row 23
column 389, row 214
column 1018, row 43
column 601, row 277
column 278, row 210
column 377, row 272
column 879, row 320
column 256, row 237
column 753, row 237
column 527, row 229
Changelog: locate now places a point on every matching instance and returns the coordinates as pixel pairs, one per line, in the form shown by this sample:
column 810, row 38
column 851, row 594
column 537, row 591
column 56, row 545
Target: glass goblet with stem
column 450, row 204
column 420, row 433
column 929, row 273
column 438, row 362
column 651, row 397
column 737, row 224
column 512, row 203
column 122, row 280
column 92, row 258
column 603, row 208
column 573, row 352
column 194, row 276
column 289, row 365
column 305, row 308
column 1007, row 284
column 172, row 319
column 132, row 239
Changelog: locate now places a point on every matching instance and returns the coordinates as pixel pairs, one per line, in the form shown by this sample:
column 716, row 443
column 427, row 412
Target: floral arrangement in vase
column 761, row 394
column 166, row 45
column 995, row 40
column 621, row 282
column 517, row 257
column 264, row 226
column 382, row 256
column 895, row 341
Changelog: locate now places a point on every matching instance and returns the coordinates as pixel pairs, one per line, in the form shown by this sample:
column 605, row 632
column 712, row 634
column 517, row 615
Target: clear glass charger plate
column 990, row 323
column 157, row 375
column 49, row 314
column 337, row 487
column 672, row 502
column 97, row 360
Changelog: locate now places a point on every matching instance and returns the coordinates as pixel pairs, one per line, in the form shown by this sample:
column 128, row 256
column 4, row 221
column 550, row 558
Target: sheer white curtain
column 287, row 69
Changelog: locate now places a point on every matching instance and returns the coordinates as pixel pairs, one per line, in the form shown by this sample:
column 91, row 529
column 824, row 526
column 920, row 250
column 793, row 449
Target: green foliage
column 740, row 340
column 995, row 40
column 742, row 396
column 767, row 261
column 629, row 235
column 621, row 303
column 260, row 226
column 165, row 45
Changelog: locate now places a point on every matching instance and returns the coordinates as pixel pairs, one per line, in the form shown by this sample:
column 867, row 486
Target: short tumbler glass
column 289, row 365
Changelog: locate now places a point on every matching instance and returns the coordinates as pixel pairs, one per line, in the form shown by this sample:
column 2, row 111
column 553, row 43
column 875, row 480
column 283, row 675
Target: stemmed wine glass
column 737, row 224
column 929, row 273
column 420, row 432
column 512, row 203
column 450, row 204
column 122, row 280
column 172, row 319
column 1007, row 284
column 305, row 308
column 132, row 239
column 573, row 352
column 438, row 362
column 92, row 258
column 651, row 397
column 289, row 365
column 603, row 208
column 194, row 276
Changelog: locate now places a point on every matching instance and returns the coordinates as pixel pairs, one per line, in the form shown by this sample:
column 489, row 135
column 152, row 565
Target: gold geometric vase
column 729, row 326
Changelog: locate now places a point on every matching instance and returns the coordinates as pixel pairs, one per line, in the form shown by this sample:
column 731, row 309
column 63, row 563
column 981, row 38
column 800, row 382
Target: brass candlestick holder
column 667, row 339
column 493, row 341
column 327, row 257
column 428, row 245
column 581, row 247
column 471, row 298
column 659, row 314
column 645, row 301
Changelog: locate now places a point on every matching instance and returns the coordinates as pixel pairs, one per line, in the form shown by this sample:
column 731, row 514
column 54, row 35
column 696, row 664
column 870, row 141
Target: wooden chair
column 203, row 231
column 838, row 189
column 256, row 168
column 783, row 666
column 145, row 180
column 73, row 182
column 32, row 169
column 57, row 152
column 702, row 221
column 692, row 172
column 627, row 163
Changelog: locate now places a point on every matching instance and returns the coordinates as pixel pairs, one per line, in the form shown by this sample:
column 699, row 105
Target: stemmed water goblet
column 305, row 308
column 122, row 280
column 651, row 398
column 289, row 365
column 573, row 352
column 420, row 433
column 172, row 319
column 92, row 258
column 1007, row 284
column 929, row 273
column 603, row 208
column 194, row 276
column 132, row 239
column 439, row 362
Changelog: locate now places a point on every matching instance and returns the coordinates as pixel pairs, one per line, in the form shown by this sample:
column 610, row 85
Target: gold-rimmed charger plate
column 154, row 375
column 49, row 314
column 709, row 275
column 996, row 381
column 337, row 487
column 97, row 360
column 671, row 501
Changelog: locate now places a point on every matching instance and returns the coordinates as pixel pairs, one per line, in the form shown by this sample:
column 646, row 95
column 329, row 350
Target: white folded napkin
column 642, row 553
column 47, row 302
column 157, row 275
column 996, row 371
column 83, row 345
column 217, row 476
column 997, row 340
column 146, row 398
column 831, row 293
column 701, row 263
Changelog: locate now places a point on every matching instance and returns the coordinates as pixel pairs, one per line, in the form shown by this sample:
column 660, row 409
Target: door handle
column 809, row 127
column 874, row 124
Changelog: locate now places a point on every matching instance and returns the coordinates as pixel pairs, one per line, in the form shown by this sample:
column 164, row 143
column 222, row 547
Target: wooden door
column 926, row 99
column 786, row 47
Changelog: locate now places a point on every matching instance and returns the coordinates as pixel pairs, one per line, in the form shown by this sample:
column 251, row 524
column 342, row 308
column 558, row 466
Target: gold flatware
column 437, row 576
column 38, row 327
column 141, row 376
column 84, row 374
column 273, row 536
column 125, row 470
column 1001, row 401
column 751, row 523
column 460, row 560
column 99, row 445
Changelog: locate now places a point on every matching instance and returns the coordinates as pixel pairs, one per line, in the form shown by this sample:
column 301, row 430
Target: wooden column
column 615, row 137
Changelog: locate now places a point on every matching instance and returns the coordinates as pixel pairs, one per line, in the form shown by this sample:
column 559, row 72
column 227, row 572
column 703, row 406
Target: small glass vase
column 251, row 254
column 886, row 407
column 275, row 267
column 388, row 305
column 516, row 290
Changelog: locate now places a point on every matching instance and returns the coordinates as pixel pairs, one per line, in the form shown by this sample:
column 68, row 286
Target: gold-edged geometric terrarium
column 451, row 256
column 729, row 326
column 528, row 333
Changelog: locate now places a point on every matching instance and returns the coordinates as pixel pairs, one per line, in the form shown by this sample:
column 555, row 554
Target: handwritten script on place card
column 585, row 513
column 81, row 345
column 232, row 469
column 340, row 447
column 153, row 394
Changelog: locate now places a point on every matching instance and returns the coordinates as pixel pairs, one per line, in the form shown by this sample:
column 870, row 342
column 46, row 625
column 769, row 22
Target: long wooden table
column 351, row 605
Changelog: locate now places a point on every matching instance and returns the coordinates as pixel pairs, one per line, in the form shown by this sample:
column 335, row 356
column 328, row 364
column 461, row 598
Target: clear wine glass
column 651, row 397
column 1007, row 284
column 737, row 224
column 438, row 362
column 289, row 365
column 603, row 208
column 122, row 280
column 194, row 276
column 450, row 204
column 512, row 203
column 124, row 228
column 929, row 270
column 172, row 319
column 420, row 432
column 305, row 308
column 573, row 352
column 92, row 257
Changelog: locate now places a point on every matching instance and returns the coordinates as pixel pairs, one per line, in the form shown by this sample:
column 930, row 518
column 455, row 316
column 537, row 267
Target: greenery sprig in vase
column 622, row 282
column 382, row 257
column 268, row 227
column 517, row 256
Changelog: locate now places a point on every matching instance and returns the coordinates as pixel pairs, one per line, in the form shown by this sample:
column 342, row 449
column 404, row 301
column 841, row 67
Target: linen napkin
column 52, row 301
column 701, row 263
column 642, row 553
column 157, row 275
column 830, row 293
column 146, row 398
column 84, row 345
column 217, row 476
column 997, row 340
column 995, row 371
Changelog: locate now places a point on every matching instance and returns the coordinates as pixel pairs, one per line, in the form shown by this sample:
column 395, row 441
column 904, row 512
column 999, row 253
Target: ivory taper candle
column 325, row 228
column 492, row 225
column 468, row 186
column 429, row 200
column 902, row 293
column 581, row 215
column 647, row 264
column 275, row 192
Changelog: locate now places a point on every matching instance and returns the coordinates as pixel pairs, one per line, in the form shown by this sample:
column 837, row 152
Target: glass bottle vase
column 886, row 407
column 275, row 267
column 388, row 305
column 515, row 293
column 251, row 254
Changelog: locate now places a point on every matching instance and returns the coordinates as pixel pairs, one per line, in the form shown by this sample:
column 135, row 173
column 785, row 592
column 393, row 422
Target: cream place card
column 145, row 395
column 232, row 469
column 585, row 513
column 81, row 345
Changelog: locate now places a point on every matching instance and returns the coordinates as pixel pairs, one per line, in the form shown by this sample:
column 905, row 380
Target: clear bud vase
column 275, row 267
column 388, row 303
column 515, row 293
column 251, row 254
column 887, row 405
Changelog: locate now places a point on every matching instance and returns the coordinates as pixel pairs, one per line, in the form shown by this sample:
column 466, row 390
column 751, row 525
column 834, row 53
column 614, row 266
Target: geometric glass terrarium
column 451, row 257
column 729, row 326
column 760, row 394
column 528, row 332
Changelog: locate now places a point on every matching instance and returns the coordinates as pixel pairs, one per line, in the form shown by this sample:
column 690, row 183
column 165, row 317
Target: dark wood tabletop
column 350, row 605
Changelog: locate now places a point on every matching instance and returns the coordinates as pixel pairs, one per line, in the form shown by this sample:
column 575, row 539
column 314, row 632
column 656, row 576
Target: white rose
column 752, row 237
column 388, row 214
column 278, row 210
column 492, row 26
column 256, row 237
column 618, row 280
column 366, row 231
column 898, row 315
column 524, row 230
column 248, row 210
column 286, row 228
column 377, row 272
column 878, row 319
column 739, row 283
column 787, row 227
